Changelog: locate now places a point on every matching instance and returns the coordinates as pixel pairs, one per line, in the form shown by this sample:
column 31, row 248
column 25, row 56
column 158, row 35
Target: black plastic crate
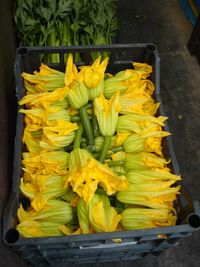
column 99, row 247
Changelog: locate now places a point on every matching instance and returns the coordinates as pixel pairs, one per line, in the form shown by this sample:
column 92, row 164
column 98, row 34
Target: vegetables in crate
column 94, row 160
column 65, row 22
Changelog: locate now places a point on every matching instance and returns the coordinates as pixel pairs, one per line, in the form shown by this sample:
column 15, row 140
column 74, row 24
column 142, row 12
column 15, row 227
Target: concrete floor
column 160, row 22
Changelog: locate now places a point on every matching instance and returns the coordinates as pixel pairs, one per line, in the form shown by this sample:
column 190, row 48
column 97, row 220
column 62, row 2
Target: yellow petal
column 92, row 75
column 121, row 137
column 71, row 72
column 86, row 173
column 66, row 230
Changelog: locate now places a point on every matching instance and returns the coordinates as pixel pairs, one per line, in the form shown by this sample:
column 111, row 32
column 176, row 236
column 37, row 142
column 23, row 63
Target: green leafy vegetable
column 65, row 22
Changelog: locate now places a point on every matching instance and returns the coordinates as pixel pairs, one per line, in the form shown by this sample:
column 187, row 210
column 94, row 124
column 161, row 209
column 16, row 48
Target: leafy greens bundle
column 65, row 22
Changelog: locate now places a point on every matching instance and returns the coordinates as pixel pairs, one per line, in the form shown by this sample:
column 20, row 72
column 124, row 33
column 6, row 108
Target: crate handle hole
column 11, row 236
column 22, row 51
column 151, row 48
column 194, row 220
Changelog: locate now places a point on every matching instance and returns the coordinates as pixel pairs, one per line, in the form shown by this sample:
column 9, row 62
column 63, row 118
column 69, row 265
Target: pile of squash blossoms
column 93, row 158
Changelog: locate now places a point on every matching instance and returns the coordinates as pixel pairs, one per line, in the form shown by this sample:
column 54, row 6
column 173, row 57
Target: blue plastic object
column 191, row 9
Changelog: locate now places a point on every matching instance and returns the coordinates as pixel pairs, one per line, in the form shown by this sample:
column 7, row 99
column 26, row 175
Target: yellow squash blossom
column 47, row 116
column 140, row 89
column 117, row 83
column 44, row 99
column 142, row 69
column 102, row 217
column 54, row 211
column 47, row 79
column 139, row 123
column 153, row 195
column 52, row 162
column 142, row 119
column 129, row 79
column 148, row 142
column 71, row 72
column 93, row 77
column 153, row 175
column 147, row 127
column 58, row 136
column 33, row 116
column 77, row 95
column 86, row 173
column 31, row 140
column 144, row 160
column 106, row 112
column 144, row 105
column 141, row 218
column 126, row 124
column 40, row 188
column 45, row 70
column 37, row 84
column 98, row 214
column 76, row 89
column 54, row 114
column 30, row 229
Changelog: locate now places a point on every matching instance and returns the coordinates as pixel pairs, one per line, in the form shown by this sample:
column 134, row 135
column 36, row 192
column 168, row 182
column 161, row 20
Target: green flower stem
column 88, row 105
column 86, row 125
column 116, row 163
column 95, row 126
column 104, row 150
column 78, row 137
column 75, row 118
column 96, row 155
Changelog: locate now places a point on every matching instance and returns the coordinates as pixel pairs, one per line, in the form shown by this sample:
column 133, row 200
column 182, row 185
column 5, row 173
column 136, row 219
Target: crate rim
column 184, row 228
column 55, row 49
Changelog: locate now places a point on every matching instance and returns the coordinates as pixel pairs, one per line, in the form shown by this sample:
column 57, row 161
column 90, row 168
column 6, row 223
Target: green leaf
column 31, row 22
column 44, row 13
column 75, row 27
column 52, row 6
column 89, row 29
column 82, row 23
